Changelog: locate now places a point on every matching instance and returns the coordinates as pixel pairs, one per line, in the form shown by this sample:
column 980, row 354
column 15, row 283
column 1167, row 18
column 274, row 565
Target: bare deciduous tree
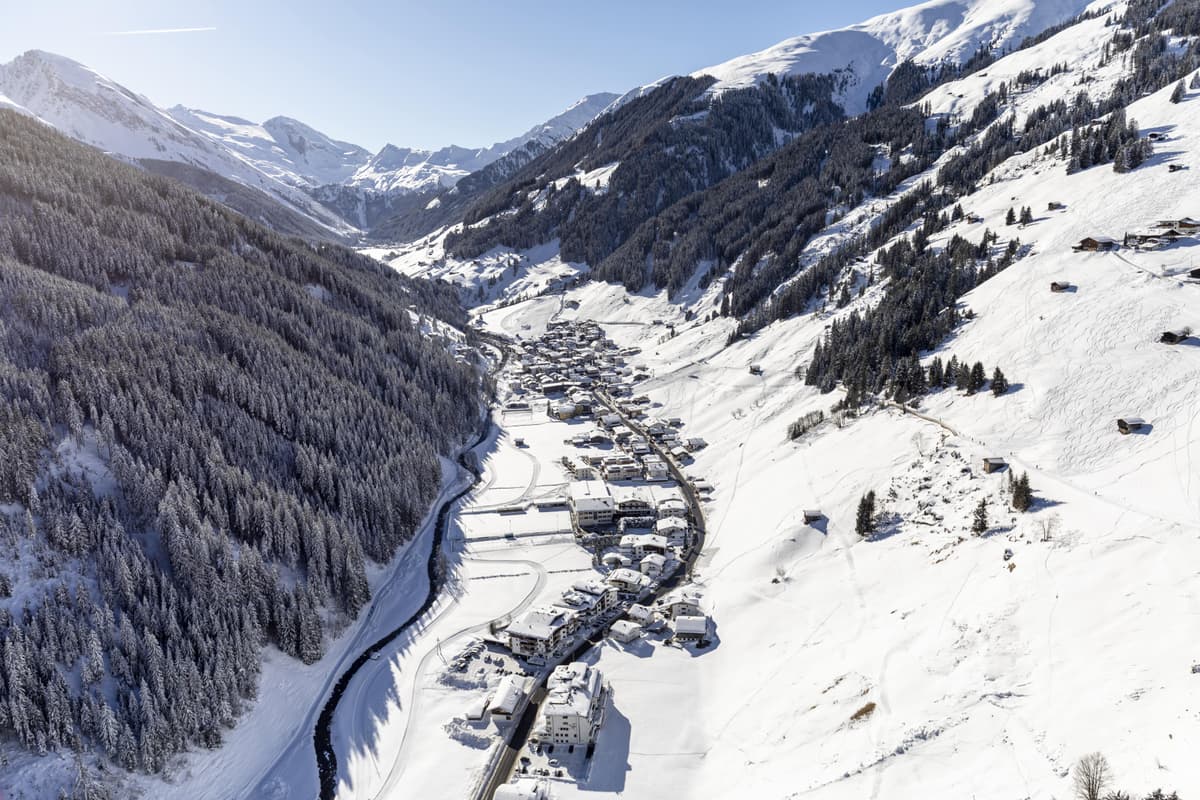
column 1091, row 775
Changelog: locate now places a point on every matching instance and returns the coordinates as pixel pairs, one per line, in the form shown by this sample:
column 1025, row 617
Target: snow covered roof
column 625, row 629
column 667, row 524
column 640, row 613
column 693, row 626
column 508, row 694
column 572, row 688
column 591, row 586
column 626, row 576
column 632, row 540
column 539, row 623
column 523, row 789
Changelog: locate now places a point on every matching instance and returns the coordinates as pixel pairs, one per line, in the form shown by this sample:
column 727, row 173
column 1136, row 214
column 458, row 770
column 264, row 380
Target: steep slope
column 282, row 147
column 340, row 187
column 865, row 54
column 95, row 110
column 210, row 431
column 732, row 123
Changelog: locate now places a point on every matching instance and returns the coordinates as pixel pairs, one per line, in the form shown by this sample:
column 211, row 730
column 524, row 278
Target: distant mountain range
column 282, row 159
column 326, row 187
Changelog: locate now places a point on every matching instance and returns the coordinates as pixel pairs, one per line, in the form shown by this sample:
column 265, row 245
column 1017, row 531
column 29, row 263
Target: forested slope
column 206, row 429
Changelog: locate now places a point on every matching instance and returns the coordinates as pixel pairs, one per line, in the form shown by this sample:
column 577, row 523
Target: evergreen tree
column 999, row 383
column 977, row 378
column 936, row 373
column 1011, row 217
column 1026, row 215
column 962, row 377
column 1179, row 92
column 979, row 523
column 1022, row 493
column 864, row 521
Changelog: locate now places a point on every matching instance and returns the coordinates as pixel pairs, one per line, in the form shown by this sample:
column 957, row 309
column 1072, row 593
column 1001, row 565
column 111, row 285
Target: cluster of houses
column 623, row 507
column 568, row 360
column 1161, row 234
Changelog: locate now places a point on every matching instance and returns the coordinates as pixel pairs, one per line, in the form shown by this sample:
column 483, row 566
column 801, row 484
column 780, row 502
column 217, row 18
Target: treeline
column 668, row 144
column 876, row 351
column 207, row 430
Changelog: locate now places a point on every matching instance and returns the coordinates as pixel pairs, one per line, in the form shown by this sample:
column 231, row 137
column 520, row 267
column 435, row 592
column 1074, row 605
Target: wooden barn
column 1194, row 273
column 1096, row 244
column 991, row 465
column 1174, row 337
column 1059, row 286
column 1056, row 206
column 1130, row 424
column 812, row 515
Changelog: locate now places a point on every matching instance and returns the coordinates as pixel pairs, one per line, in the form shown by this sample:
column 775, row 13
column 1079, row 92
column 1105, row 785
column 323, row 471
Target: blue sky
column 422, row 74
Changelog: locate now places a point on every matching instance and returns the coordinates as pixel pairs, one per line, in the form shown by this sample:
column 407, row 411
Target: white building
column 690, row 628
column 523, row 789
column 642, row 615
column 627, row 580
column 592, row 504
column 637, row 545
column 656, row 469
column 509, row 697
column 625, row 631
column 653, row 565
column 622, row 470
column 672, row 507
column 574, row 706
column 684, row 602
column 606, row 595
column 540, row 631
column 674, row 530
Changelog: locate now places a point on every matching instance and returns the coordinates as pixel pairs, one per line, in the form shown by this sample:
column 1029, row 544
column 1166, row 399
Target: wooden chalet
column 1059, row 286
column 1128, row 425
column 1096, row 244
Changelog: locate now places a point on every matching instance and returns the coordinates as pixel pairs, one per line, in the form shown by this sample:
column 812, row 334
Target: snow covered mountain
column 282, row 157
column 282, row 147
column 402, row 169
column 96, row 110
column 866, row 53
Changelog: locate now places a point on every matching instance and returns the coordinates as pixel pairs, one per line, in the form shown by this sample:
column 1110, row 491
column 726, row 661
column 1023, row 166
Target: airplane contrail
column 158, row 30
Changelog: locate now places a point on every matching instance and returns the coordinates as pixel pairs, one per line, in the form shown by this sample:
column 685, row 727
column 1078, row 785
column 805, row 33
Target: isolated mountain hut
column 812, row 515
column 1174, row 337
column 991, row 465
column 1096, row 244
column 1054, row 205
column 1194, row 273
column 1059, row 286
column 1130, row 424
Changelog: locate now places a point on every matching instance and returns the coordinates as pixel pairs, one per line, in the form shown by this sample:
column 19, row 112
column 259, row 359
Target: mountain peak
column 930, row 32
